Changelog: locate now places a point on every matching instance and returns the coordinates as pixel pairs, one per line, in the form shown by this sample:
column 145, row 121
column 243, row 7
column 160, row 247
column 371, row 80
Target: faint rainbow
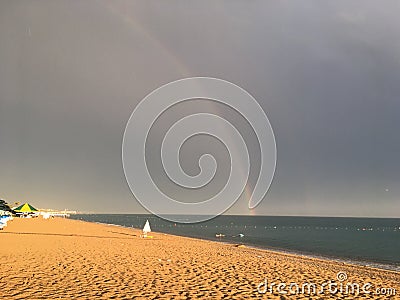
column 248, row 190
column 132, row 23
column 129, row 21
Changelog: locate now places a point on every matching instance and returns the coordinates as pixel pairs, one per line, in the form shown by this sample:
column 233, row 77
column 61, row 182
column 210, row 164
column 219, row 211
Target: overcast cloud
column 326, row 74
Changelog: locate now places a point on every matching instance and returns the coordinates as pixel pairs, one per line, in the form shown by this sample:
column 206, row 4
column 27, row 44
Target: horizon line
column 262, row 215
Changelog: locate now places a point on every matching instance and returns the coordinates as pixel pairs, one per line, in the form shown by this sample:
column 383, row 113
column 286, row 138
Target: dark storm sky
column 326, row 74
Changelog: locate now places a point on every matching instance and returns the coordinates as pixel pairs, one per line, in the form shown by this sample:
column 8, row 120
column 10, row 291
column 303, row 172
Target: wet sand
column 69, row 259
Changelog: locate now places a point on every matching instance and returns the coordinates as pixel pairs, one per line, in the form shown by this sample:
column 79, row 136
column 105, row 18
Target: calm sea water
column 367, row 241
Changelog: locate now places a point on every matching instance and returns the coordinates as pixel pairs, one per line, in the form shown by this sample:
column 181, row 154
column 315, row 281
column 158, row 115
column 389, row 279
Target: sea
column 365, row 241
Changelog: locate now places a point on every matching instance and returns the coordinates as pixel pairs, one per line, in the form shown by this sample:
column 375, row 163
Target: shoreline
column 283, row 252
column 348, row 261
column 67, row 258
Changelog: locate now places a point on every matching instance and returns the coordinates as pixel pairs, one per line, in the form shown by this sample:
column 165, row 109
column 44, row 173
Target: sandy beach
column 69, row 259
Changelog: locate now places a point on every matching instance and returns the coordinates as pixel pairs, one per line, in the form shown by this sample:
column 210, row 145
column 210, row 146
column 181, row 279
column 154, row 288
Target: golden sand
column 69, row 259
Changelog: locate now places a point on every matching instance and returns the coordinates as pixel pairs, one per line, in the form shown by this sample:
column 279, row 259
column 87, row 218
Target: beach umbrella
column 146, row 229
column 25, row 208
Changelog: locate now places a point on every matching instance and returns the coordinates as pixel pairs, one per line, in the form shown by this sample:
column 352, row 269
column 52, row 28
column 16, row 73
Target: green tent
column 25, row 208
